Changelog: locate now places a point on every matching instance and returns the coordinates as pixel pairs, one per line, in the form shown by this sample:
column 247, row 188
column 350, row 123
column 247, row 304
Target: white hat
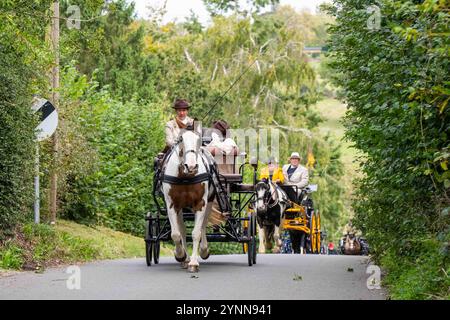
column 295, row 155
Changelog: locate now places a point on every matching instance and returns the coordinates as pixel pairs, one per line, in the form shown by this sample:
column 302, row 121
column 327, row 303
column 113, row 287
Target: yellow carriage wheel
column 313, row 233
column 318, row 232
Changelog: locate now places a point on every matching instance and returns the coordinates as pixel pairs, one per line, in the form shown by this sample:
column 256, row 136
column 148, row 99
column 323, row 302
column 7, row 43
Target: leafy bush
column 395, row 80
column 20, row 75
column 120, row 141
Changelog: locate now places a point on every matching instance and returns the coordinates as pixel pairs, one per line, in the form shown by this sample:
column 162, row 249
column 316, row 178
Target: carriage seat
column 230, row 177
column 239, row 187
column 215, row 150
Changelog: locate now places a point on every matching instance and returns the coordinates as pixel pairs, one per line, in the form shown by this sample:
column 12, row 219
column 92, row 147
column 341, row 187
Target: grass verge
column 36, row 247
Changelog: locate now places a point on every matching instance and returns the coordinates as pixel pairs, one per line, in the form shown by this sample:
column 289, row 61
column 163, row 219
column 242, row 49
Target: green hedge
column 20, row 71
column 396, row 82
column 120, row 142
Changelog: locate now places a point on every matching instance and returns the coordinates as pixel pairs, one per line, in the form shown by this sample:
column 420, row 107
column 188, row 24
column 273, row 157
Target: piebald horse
column 186, row 184
column 271, row 202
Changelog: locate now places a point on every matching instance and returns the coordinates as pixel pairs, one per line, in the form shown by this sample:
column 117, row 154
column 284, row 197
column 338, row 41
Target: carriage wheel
column 157, row 244
column 312, row 238
column 148, row 244
column 253, row 234
column 318, row 233
column 250, row 251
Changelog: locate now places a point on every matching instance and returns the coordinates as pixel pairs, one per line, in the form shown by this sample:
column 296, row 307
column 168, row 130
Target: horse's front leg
column 277, row 240
column 204, row 250
column 180, row 252
column 262, row 239
column 182, row 227
column 200, row 215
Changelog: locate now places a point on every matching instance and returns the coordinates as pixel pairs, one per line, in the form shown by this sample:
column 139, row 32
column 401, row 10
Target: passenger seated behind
column 222, row 146
column 295, row 175
column 272, row 172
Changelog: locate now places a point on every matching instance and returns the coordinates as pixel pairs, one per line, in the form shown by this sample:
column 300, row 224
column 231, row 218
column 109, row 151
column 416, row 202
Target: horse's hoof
column 184, row 264
column 192, row 269
column 206, row 256
column 182, row 259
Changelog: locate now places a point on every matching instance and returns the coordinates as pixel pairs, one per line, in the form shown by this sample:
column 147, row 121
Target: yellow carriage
column 303, row 220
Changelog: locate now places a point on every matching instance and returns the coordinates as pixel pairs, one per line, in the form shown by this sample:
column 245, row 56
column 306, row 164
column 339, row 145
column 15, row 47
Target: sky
column 179, row 9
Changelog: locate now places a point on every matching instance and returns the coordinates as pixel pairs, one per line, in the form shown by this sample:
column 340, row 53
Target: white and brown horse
column 271, row 202
column 352, row 246
column 186, row 184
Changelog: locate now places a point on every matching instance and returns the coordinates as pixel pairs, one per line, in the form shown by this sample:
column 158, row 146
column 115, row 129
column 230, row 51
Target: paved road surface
column 220, row 277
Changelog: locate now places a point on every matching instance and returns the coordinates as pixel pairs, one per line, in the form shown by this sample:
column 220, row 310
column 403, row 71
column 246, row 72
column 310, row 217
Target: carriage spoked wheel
column 250, row 252
column 148, row 244
column 251, row 244
column 253, row 224
column 317, row 233
column 312, row 234
column 156, row 244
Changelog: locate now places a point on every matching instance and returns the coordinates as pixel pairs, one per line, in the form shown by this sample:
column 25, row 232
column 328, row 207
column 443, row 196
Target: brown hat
column 222, row 126
column 181, row 104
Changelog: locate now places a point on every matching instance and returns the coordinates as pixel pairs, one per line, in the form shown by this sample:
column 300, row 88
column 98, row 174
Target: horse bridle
column 268, row 195
column 182, row 153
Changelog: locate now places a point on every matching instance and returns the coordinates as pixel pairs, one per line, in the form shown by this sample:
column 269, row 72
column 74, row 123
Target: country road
column 220, row 277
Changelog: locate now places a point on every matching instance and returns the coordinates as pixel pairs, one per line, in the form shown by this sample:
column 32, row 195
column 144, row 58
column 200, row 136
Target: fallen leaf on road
column 194, row 277
column 297, row 277
column 350, row 269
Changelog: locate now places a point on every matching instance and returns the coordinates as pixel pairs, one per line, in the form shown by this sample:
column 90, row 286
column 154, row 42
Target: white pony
column 186, row 184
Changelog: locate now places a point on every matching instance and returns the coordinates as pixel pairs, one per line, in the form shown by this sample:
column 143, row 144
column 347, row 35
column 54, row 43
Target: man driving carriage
column 294, row 175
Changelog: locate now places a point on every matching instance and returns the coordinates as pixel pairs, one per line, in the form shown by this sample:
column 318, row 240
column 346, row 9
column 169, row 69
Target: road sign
column 46, row 127
column 49, row 118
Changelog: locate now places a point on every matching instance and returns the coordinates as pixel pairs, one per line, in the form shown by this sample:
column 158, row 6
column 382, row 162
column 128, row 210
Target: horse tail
column 215, row 216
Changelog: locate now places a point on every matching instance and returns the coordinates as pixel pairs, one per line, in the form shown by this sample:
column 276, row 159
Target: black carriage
column 239, row 227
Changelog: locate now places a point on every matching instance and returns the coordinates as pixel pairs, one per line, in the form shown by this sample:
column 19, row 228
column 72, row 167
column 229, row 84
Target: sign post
column 47, row 126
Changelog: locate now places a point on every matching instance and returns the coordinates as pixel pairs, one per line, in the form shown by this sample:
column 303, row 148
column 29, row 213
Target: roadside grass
column 424, row 277
column 36, row 247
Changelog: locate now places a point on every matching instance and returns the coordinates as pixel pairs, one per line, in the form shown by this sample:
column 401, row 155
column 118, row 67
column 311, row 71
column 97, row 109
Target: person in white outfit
column 224, row 151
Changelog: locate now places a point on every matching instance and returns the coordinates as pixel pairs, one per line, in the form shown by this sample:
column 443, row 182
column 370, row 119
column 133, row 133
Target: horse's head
column 188, row 149
column 262, row 189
